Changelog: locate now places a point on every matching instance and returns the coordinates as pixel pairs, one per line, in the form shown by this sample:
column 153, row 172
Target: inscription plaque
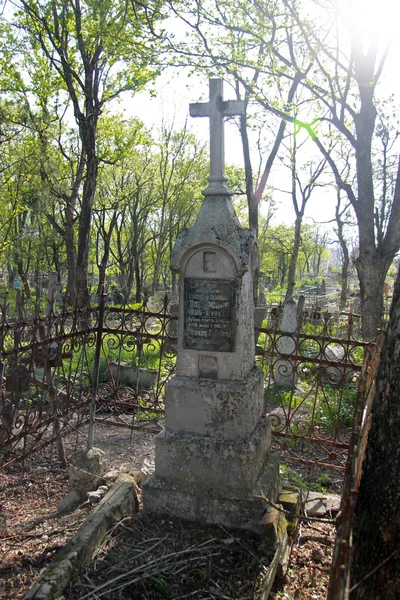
column 209, row 315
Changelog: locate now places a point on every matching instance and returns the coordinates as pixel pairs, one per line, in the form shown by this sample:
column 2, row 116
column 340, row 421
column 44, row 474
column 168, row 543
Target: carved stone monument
column 212, row 459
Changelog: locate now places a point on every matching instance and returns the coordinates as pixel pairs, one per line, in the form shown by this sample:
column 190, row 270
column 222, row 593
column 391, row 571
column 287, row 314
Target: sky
column 176, row 90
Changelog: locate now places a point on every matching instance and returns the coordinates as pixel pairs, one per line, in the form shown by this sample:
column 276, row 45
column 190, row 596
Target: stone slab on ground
column 121, row 500
column 317, row 504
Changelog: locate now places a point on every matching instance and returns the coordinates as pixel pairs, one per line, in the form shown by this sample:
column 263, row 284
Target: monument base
column 208, row 504
column 230, row 465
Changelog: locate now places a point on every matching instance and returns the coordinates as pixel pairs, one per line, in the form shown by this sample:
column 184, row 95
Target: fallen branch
column 295, row 515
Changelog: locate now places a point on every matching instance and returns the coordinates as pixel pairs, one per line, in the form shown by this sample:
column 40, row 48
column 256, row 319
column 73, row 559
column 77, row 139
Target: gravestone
column 284, row 367
column 322, row 290
column 212, row 460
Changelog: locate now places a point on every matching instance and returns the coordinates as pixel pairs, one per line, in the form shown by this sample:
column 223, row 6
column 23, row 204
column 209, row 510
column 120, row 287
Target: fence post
column 51, row 292
column 96, row 368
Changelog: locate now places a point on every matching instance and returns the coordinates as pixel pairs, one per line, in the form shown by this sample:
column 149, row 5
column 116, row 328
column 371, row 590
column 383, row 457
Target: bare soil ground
column 142, row 558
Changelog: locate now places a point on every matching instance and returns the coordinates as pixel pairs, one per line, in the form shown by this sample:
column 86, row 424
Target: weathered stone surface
column 317, row 504
column 118, row 502
column 230, row 365
column 197, row 501
column 146, row 471
column 86, row 469
column 97, row 495
column 229, row 464
column 125, row 477
column 273, row 529
column 111, row 476
column 290, row 501
column 213, row 450
column 209, row 313
column 70, row 501
column 230, row 409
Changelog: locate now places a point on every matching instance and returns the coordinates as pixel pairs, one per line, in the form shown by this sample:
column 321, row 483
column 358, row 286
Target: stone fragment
column 70, row 501
column 332, row 503
column 318, row 505
column 95, row 497
column 86, row 469
column 273, row 529
column 125, row 477
column 111, row 476
column 290, row 501
column 146, row 471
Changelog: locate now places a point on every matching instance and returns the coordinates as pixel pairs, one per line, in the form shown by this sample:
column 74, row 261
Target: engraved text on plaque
column 209, row 315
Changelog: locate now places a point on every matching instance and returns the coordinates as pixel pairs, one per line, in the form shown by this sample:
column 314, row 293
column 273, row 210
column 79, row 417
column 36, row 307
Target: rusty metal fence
column 339, row 581
column 53, row 367
column 311, row 384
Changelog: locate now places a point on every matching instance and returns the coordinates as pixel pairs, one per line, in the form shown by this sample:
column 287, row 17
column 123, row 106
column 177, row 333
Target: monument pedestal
column 209, row 503
column 212, row 459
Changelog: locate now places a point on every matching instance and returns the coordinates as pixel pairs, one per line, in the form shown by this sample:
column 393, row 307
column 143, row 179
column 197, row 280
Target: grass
column 335, row 407
column 290, row 476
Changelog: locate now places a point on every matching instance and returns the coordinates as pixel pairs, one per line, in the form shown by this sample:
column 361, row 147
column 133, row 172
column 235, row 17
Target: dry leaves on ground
column 157, row 558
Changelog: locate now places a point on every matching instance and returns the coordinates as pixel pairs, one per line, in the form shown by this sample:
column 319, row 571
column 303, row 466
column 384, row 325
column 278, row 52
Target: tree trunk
column 344, row 274
column 138, row 278
column 88, row 134
column 252, row 203
column 346, row 258
column 11, row 276
column 375, row 569
column 371, row 270
column 293, row 259
column 70, row 248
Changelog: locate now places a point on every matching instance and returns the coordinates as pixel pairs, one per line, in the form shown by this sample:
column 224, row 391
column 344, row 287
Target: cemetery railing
column 49, row 366
column 311, row 384
column 342, row 553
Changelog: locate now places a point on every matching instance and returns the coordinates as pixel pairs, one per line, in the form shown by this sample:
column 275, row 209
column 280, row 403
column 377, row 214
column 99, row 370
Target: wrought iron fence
column 118, row 359
column 53, row 366
column 311, row 381
column 342, row 556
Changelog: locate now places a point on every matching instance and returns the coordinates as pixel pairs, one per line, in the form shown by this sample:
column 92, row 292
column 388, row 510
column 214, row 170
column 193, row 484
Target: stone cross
column 216, row 109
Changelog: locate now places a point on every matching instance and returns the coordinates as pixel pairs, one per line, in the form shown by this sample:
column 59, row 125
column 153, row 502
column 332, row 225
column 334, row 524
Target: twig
column 153, row 563
column 147, row 574
column 190, row 594
column 296, row 515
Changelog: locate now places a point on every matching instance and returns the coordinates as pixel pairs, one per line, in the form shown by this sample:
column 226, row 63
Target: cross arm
column 199, row 109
